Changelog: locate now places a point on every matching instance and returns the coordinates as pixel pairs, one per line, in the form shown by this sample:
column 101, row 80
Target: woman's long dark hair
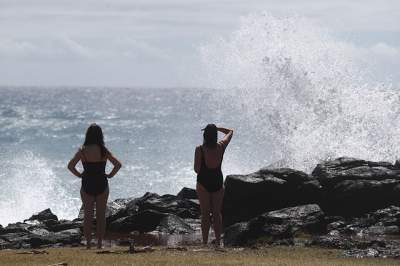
column 210, row 136
column 94, row 135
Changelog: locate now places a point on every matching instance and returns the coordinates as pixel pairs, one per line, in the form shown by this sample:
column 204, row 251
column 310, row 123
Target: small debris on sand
column 34, row 252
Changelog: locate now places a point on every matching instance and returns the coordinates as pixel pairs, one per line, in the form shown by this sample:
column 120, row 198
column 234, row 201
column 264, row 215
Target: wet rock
column 64, row 225
column 390, row 249
column 40, row 238
column 332, row 241
column 4, row 244
column 353, row 187
column 15, row 228
column 144, row 221
column 151, row 220
column 16, row 240
column 183, row 208
column 114, row 209
column 387, row 216
column 68, row 237
column 276, row 225
column 43, row 216
column 247, row 196
column 238, row 234
column 362, row 253
column 334, row 171
column 187, row 193
column 172, row 224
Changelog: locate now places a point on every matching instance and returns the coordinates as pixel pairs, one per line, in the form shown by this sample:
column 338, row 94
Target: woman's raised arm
column 228, row 135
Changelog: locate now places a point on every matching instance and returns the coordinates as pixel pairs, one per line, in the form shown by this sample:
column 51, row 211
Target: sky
column 155, row 43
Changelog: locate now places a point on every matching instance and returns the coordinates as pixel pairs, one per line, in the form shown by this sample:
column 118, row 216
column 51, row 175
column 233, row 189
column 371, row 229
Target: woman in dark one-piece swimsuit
column 94, row 155
column 207, row 164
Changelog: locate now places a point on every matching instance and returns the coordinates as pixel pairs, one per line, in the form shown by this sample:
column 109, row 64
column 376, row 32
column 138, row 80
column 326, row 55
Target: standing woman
column 94, row 155
column 207, row 164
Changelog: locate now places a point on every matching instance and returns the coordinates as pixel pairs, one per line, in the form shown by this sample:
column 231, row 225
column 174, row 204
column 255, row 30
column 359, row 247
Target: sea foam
column 307, row 95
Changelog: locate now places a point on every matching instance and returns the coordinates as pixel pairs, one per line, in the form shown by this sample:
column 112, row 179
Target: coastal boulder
column 114, row 209
column 150, row 220
column 247, row 196
column 177, row 205
column 42, row 216
column 276, row 225
column 172, row 224
column 353, row 187
column 183, row 208
column 187, row 193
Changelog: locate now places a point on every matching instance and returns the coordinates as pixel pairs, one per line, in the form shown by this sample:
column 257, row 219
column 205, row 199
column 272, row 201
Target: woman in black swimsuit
column 94, row 155
column 207, row 164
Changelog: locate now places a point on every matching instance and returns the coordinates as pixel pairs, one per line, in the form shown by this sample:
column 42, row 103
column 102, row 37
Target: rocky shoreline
column 346, row 203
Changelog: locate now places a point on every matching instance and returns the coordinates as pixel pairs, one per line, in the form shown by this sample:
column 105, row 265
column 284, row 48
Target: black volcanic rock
column 183, row 208
column 144, row 221
column 62, row 225
column 353, row 187
column 172, row 224
column 43, row 216
column 247, row 196
column 177, row 205
column 276, row 225
column 334, row 171
column 15, row 228
column 187, row 193
column 114, row 209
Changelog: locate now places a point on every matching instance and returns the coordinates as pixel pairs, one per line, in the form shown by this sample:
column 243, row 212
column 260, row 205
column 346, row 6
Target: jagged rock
column 353, row 187
column 172, row 224
column 43, row 216
column 40, row 238
column 238, row 234
column 62, row 225
column 247, row 196
column 379, row 223
column 187, row 193
column 16, row 240
column 4, row 244
column 144, row 221
column 70, row 236
column 183, row 208
column 114, row 209
column 334, row 171
column 332, row 241
column 276, row 225
column 150, row 220
column 388, row 216
column 15, row 228
column 388, row 249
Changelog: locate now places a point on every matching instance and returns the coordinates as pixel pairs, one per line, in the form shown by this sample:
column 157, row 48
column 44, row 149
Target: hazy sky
column 154, row 42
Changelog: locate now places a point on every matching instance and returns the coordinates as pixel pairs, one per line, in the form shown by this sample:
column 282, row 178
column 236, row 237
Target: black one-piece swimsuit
column 94, row 180
column 210, row 178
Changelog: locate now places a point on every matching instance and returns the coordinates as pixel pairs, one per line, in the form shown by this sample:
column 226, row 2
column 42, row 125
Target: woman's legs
column 205, row 202
column 216, row 206
column 88, row 204
column 101, row 204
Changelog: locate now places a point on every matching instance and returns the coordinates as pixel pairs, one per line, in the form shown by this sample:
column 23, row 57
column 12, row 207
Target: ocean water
column 152, row 131
column 293, row 94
